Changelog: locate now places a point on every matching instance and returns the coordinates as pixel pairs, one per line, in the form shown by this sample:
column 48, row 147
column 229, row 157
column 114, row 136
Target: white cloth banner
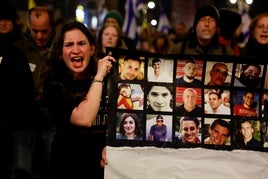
column 162, row 163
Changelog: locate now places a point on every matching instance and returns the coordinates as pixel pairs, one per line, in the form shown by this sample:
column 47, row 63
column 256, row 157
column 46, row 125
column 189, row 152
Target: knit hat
column 8, row 12
column 228, row 22
column 116, row 15
column 207, row 10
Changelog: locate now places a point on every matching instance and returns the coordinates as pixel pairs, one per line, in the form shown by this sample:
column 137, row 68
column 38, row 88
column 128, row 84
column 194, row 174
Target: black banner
column 176, row 101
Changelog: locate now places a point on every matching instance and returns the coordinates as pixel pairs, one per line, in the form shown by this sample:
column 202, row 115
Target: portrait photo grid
column 183, row 101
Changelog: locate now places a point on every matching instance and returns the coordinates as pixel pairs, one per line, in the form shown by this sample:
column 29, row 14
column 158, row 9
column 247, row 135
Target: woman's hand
column 104, row 160
column 104, row 67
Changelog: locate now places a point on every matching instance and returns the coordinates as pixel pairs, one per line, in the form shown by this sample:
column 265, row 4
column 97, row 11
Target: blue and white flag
column 163, row 23
column 131, row 21
column 246, row 21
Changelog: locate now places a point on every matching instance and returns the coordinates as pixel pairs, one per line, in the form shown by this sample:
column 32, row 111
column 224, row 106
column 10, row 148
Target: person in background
column 160, row 43
column 145, row 39
column 181, row 32
column 158, row 131
column 245, row 139
column 189, row 106
column 159, row 98
column 230, row 27
column 129, row 127
column 74, row 93
column 218, row 75
column 172, row 36
column 257, row 44
column 110, row 35
column 41, row 33
column 16, row 100
column 159, row 73
column 219, row 132
column 204, row 38
column 189, row 79
column 247, row 108
column 189, row 127
column 114, row 17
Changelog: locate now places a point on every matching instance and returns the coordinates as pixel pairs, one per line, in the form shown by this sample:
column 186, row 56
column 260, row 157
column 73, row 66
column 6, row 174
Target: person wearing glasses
column 189, row 127
column 218, row 75
column 158, row 131
column 219, row 132
column 257, row 44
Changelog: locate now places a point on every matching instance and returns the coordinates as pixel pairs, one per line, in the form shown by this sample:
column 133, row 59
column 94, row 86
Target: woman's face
column 129, row 125
column 109, row 37
column 6, row 26
column 76, row 51
column 261, row 31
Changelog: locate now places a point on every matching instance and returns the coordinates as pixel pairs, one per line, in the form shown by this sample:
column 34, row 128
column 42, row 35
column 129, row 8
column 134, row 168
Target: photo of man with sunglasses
column 158, row 131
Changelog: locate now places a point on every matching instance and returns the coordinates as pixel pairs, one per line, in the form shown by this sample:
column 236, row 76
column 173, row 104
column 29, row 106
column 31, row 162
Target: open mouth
column 77, row 62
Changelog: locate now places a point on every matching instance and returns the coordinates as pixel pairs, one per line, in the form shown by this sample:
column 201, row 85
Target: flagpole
column 145, row 25
column 31, row 4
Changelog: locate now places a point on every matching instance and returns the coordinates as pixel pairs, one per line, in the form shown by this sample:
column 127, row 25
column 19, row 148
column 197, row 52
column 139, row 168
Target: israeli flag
column 246, row 21
column 163, row 23
column 131, row 21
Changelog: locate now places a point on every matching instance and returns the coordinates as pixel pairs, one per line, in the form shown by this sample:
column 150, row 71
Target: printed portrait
column 189, row 73
column 218, row 73
column 189, row 101
column 217, row 131
column 245, row 103
column 217, row 101
column 129, row 126
column 187, row 130
column 159, row 127
column 131, row 67
column 247, row 133
column 159, row 98
column 248, row 75
column 160, row 70
column 130, row 96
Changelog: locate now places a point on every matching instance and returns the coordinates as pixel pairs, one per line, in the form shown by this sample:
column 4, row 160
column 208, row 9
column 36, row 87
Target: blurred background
column 157, row 14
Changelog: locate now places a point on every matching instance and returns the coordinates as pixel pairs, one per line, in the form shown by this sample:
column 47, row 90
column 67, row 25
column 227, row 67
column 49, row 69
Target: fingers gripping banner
column 183, row 101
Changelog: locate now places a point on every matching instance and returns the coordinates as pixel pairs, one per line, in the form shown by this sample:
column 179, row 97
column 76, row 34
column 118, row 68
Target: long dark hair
column 119, row 43
column 124, row 116
column 56, row 64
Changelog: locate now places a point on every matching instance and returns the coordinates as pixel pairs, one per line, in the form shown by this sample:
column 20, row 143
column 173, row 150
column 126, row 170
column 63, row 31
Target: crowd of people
column 54, row 86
